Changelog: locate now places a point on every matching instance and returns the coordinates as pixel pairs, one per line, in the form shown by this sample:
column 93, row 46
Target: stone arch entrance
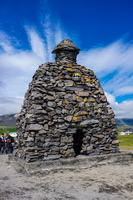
column 78, row 140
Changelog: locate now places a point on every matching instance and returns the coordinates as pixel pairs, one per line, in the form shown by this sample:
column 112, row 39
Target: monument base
column 79, row 162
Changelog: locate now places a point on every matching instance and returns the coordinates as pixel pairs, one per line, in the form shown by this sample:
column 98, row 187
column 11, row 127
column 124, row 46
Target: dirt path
column 107, row 182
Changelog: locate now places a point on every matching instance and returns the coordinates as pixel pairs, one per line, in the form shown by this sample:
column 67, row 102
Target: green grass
column 7, row 129
column 10, row 119
column 120, row 128
column 5, row 125
column 2, row 124
column 126, row 142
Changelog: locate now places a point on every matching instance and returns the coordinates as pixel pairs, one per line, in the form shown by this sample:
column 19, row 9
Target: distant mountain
column 7, row 120
column 124, row 122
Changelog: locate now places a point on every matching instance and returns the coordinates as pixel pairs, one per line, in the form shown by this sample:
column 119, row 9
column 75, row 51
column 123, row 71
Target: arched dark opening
column 77, row 140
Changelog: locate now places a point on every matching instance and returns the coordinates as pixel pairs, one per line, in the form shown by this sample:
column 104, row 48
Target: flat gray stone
column 76, row 78
column 34, row 127
column 52, row 157
column 51, row 104
column 69, row 83
column 74, row 88
column 89, row 121
column 60, row 89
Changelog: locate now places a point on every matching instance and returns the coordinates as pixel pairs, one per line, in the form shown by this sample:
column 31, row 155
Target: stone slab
column 78, row 162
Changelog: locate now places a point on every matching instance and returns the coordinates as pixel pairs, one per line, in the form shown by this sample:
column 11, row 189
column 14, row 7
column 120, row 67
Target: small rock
column 115, row 142
column 68, row 118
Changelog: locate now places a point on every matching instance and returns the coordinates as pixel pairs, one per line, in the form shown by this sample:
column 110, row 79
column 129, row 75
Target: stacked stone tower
column 65, row 111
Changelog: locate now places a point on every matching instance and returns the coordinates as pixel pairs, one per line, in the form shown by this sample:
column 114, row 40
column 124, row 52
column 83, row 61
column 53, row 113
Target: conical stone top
column 66, row 51
column 65, row 44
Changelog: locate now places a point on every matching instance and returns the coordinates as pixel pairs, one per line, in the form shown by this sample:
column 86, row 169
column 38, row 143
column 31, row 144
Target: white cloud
column 104, row 60
column 17, row 66
column 113, row 65
column 10, row 105
column 59, row 34
column 124, row 90
column 121, row 110
column 49, row 37
column 37, row 43
column 111, row 99
column 5, row 42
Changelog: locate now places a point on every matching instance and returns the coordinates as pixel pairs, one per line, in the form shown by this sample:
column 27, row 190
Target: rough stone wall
column 64, row 99
column 66, row 56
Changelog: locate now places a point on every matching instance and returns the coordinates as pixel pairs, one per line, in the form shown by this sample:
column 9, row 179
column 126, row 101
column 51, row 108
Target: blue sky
column 102, row 29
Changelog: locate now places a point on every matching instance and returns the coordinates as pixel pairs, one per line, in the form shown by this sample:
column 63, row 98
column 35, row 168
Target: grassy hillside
column 7, row 129
column 7, row 120
column 124, row 122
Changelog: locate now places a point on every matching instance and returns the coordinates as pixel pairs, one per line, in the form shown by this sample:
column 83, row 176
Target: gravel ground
column 106, row 182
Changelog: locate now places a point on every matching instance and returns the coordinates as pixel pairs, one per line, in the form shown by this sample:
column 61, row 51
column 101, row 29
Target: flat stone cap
column 65, row 44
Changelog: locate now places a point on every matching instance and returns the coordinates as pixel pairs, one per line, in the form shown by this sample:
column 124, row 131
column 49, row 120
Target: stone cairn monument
column 65, row 112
